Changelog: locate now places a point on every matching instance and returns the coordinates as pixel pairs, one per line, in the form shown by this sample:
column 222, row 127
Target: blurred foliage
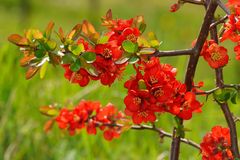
column 21, row 124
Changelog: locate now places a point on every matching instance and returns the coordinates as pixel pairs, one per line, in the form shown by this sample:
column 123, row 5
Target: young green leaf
column 145, row 51
column 133, row 59
column 76, row 49
column 76, row 65
column 43, row 69
column 90, row 57
column 129, row 46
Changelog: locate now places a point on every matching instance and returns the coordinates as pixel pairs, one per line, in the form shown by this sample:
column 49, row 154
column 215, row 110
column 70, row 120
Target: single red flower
column 216, row 56
column 130, row 34
column 216, row 144
column 174, row 7
column 108, row 51
column 81, row 76
column 189, row 106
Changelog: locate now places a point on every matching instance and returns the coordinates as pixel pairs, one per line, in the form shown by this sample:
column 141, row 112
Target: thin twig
column 221, row 20
column 224, row 8
column 207, row 92
column 163, row 134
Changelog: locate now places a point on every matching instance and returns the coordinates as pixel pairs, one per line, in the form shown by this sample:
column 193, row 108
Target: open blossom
column 81, row 77
column 216, row 144
column 216, row 56
column 90, row 115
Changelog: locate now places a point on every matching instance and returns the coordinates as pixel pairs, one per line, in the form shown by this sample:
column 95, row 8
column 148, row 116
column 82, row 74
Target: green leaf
column 43, row 69
column 222, row 95
column 129, row 46
column 76, row 65
column 49, row 111
column 234, row 97
column 152, row 36
column 40, row 53
column 68, row 58
column 103, row 40
column 90, row 57
column 133, row 59
column 51, row 45
column 155, row 43
column 76, row 49
column 91, row 70
column 142, row 27
column 146, row 51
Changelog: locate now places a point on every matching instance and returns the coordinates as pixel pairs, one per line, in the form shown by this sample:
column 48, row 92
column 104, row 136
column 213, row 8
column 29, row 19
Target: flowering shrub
column 87, row 55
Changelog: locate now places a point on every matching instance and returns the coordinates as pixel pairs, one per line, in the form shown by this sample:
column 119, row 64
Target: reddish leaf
column 31, row 72
column 26, row 59
column 109, row 15
column 61, row 34
column 48, row 125
column 49, row 28
column 18, row 40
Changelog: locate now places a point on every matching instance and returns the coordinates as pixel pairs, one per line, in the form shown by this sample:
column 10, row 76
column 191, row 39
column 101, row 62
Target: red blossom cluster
column 232, row 27
column 90, row 115
column 216, row 144
column 155, row 89
column 215, row 55
column 107, row 53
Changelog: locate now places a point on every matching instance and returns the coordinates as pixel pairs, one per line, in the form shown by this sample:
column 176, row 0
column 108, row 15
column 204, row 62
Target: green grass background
column 21, row 133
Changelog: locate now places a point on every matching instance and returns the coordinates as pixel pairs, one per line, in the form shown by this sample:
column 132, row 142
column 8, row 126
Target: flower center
column 158, row 92
column 131, row 37
column 143, row 114
column 137, row 100
column 153, row 80
column 78, row 76
column 216, row 56
column 107, row 53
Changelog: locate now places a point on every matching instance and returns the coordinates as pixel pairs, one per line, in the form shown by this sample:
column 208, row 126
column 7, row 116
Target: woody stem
column 192, row 64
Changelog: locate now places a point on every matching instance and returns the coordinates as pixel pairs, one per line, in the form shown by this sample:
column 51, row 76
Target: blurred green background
column 21, row 133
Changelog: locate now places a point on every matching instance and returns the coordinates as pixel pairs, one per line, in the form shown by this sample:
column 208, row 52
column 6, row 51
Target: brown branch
column 173, row 53
column 197, row 2
column 192, row 64
column 224, row 106
column 228, row 116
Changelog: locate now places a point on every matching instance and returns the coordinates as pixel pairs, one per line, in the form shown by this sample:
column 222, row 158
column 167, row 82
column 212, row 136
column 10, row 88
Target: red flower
column 174, row 7
column 117, row 25
column 232, row 27
column 189, row 106
column 130, row 34
column 216, row 56
column 108, row 51
column 81, row 76
column 237, row 51
column 109, row 134
column 108, row 70
column 216, row 145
